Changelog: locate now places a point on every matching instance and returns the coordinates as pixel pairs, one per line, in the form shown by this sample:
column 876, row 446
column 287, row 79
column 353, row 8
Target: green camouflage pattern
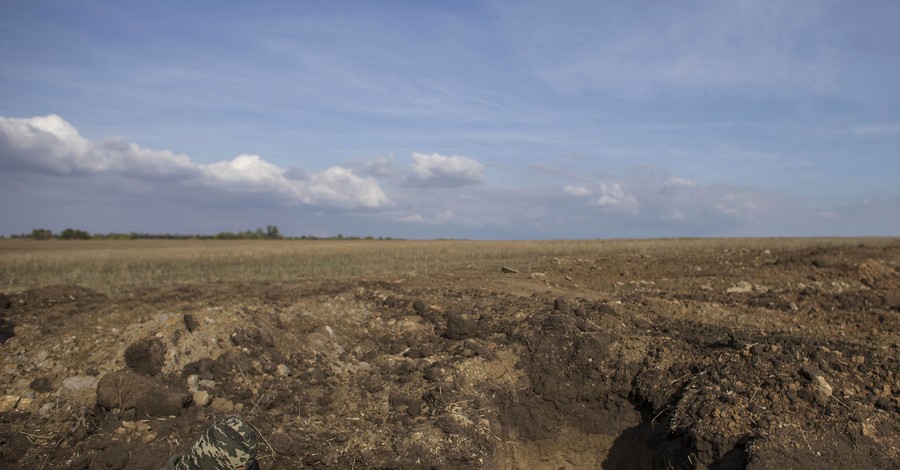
column 229, row 444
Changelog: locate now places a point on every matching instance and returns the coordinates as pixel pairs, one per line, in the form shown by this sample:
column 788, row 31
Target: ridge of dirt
column 734, row 359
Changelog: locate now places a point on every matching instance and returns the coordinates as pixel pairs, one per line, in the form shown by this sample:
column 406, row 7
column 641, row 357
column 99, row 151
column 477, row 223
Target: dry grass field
column 687, row 353
column 120, row 266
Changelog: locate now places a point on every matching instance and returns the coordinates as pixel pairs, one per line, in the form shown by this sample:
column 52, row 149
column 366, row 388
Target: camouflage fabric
column 229, row 444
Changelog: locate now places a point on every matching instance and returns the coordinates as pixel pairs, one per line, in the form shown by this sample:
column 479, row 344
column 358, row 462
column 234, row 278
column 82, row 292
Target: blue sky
column 452, row 119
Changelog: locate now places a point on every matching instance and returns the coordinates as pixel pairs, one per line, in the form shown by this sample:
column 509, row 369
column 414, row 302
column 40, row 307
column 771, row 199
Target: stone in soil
column 80, row 389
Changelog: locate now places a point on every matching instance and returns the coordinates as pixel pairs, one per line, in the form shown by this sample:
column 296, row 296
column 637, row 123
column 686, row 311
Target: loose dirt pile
column 765, row 359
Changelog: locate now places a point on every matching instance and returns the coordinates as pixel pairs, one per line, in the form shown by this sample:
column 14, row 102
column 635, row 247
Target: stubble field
column 774, row 353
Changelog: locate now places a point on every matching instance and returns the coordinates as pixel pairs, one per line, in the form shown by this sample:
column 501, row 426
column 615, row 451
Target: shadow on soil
column 7, row 330
column 647, row 446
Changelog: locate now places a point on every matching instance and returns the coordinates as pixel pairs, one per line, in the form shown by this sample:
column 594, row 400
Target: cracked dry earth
column 689, row 358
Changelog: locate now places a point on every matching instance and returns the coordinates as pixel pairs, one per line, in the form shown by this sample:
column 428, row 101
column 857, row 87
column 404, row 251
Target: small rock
column 191, row 323
column 508, row 270
column 822, row 390
column 26, row 404
column 742, row 287
column 538, row 275
column 282, row 370
column 222, row 404
column 193, row 381
column 8, row 403
column 202, row 398
column 81, row 389
column 41, row 385
column 858, row 359
column 810, row 371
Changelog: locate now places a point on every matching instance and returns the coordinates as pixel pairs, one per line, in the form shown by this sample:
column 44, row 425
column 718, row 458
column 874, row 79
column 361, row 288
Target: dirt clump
column 146, row 356
column 139, row 396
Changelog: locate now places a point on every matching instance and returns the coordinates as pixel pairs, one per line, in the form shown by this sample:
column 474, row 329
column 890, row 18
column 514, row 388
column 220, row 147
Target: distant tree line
column 271, row 232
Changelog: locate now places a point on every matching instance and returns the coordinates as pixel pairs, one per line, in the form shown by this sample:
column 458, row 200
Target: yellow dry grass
column 119, row 266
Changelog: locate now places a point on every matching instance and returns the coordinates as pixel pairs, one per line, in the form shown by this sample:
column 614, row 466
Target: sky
column 464, row 119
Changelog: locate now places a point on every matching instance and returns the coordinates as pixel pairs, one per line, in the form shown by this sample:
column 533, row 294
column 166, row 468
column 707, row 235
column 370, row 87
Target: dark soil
column 781, row 358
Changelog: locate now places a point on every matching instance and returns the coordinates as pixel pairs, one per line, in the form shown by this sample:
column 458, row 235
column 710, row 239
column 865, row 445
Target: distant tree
column 272, row 232
column 73, row 234
column 41, row 234
column 227, row 236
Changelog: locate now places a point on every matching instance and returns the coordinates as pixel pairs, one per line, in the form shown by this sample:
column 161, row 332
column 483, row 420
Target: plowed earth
column 781, row 358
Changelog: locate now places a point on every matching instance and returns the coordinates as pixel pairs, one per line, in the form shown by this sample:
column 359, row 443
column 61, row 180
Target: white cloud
column 339, row 185
column 676, row 184
column 737, row 204
column 50, row 145
column 579, row 191
column 442, row 171
column 248, row 169
column 610, row 197
column 382, row 166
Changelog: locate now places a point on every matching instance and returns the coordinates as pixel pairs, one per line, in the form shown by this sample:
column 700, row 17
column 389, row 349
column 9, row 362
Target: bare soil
column 786, row 357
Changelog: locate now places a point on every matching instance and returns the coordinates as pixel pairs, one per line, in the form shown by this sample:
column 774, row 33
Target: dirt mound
column 621, row 362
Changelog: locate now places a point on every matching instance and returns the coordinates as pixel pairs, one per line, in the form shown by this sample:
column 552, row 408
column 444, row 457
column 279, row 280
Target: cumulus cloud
column 609, row 197
column 579, row 191
column 612, row 197
column 381, row 166
column 441, row 171
column 678, row 204
column 50, row 145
